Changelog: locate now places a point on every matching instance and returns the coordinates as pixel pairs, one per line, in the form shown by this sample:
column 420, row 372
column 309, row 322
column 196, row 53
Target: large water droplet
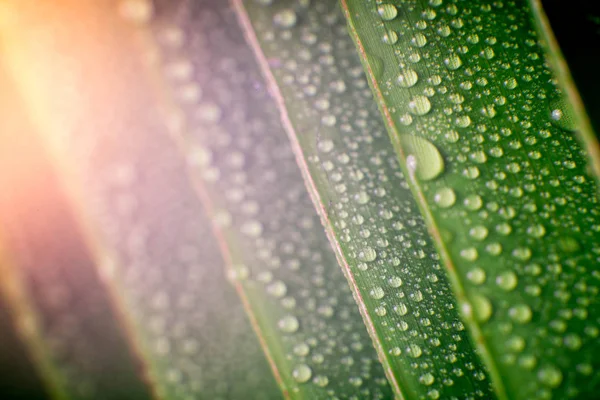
column 550, row 376
column 387, row 11
column 302, row 373
column 428, row 162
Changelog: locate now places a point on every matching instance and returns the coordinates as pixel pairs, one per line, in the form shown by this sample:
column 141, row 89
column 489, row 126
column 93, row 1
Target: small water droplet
column 285, row 18
column 453, row 62
column 367, row 254
column 520, row 313
column 302, row 373
column 482, row 307
column 419, row 105
column 445, row 197
column 377, row 293
column 562, row 114
column 407, row 78
column 288, row 324
column 507, row 280
column 387, row 11
column 476, row 276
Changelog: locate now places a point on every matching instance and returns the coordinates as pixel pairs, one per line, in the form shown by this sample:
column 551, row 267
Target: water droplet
column 277, row 289
column 562, row 114
column 473, row 202
column 507, row 280
column 367, row 254
column 414, row 350
column 419, row 105
column 469, row 254
column 401, row 309
column 285, row 18
column 302, row 373
column 428, row 162
column 377, row 293
column 419, row 40
column 301, row 349
column 407, row 78
column 445, row 197
column 478, row 232
column 481, row 307
column 387, row 11
column 550, row 376
column 427, row 379
column 321, row 380
column 536, row 231
column 390, row 37
column 395, row 282
column 520, row 313
column 476, row 275
column 288, row 324
column 453, row 62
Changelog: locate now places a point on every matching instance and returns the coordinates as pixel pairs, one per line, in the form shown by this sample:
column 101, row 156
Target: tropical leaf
column 514, row 212
column 364, row 201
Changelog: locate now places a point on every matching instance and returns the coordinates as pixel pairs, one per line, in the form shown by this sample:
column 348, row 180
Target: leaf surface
column 514, row 212
column 368, row 211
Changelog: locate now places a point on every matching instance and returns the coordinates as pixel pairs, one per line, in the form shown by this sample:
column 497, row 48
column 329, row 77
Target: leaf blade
column 317, row 134
column 468, row 262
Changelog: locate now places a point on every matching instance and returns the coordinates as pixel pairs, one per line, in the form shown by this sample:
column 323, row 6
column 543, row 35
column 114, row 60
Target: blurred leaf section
column 52, row 299
column 242, row 165
column 514, row 212
column 365, row 204
column 82, row 78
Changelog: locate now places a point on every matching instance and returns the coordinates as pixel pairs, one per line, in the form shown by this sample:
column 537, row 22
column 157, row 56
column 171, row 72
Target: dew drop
column 562, row 114
column 478, row 232
column 427, row 379
column 473, row 202
column 550, row 376
column 476, row 276
column 481, row 307
column 285, row 18
column 387, row 11
column 390, row 37
column 520, row 313
column 536, row 231
column 414, row 350
column 377, row 293
column 445, row 197
column 288, row 324
column 428, row 162
column 469, row 254
column 507, row 280
column 302, row 373
column 419, row 105
column 453, row 62
column 367, row 254
column 395, row 282
column 408, row 78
